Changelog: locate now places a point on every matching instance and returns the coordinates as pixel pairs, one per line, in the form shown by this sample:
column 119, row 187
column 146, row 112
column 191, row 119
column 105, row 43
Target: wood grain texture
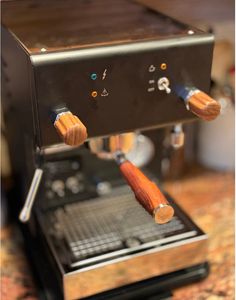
column 71, row 129
column 204, row 106
column 59, row 25
column 147, row 193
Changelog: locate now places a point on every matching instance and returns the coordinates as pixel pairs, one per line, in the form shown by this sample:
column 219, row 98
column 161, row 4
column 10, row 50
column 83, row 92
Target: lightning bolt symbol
column 104, row 74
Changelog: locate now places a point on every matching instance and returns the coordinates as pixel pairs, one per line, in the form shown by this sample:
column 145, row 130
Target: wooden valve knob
column 203, row 106
column 147, row 193
column 71, row 129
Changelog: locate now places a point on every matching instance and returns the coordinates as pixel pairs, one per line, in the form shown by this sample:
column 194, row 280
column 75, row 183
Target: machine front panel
column 119, row 93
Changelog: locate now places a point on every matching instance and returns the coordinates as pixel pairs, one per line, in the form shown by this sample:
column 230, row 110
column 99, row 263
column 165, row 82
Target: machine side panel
column 17, row 105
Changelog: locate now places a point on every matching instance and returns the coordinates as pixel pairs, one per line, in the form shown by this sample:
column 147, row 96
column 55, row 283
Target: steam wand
column 35, row 183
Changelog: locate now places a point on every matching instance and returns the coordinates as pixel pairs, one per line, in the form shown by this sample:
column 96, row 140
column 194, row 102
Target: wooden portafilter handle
column 147, row 193
column 70, row 128
column 202, row 105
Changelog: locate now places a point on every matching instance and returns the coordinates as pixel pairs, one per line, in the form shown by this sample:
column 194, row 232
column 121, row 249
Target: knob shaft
column 177, row 136
column 71, row 129
column 203, row 105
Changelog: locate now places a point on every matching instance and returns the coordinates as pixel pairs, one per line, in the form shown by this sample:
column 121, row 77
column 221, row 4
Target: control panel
column 120, row 91
column 161, row 84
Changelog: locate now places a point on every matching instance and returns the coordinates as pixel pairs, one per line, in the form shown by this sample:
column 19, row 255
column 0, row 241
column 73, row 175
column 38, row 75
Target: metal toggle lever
column 26, row 210
column 163, row 85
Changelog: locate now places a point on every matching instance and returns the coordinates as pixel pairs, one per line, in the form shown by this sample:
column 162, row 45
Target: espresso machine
column 88, row 87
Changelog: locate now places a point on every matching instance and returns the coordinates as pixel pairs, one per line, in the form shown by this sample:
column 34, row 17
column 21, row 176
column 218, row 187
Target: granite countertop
column 208, row 197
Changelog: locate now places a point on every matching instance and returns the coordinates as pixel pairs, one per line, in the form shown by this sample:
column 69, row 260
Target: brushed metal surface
column 79, row 284
column 101, row 251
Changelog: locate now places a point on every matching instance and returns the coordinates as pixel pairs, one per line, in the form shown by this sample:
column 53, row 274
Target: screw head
column 190, row 32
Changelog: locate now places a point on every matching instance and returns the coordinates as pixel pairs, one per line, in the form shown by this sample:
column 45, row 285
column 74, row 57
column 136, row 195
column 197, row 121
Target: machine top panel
column 63, row 25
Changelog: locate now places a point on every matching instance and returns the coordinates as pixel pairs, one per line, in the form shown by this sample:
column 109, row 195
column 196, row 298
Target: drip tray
column 107, row 242
column 108, row 227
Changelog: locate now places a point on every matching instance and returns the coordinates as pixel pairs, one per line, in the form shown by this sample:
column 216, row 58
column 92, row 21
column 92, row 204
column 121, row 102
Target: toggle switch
column 163, row 85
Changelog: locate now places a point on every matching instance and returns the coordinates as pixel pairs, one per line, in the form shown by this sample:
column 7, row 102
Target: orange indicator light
column 94, row 94
column 163, row 66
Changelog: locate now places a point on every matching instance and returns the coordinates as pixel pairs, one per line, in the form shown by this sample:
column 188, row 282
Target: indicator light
column 163, row 66
column 93, row 76
column 94, row 94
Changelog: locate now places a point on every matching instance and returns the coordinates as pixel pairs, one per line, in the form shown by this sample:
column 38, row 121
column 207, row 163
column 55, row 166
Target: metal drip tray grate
column 103, row 228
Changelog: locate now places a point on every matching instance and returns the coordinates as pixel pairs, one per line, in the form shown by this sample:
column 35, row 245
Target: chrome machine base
column 104, row 245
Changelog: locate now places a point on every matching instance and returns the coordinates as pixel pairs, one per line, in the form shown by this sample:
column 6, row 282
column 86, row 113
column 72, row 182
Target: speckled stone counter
column 208, row 197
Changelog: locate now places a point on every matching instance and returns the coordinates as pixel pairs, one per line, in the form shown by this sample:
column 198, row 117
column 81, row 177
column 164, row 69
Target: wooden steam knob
column 71, row 129
column 147, row 193
column 203, row 106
